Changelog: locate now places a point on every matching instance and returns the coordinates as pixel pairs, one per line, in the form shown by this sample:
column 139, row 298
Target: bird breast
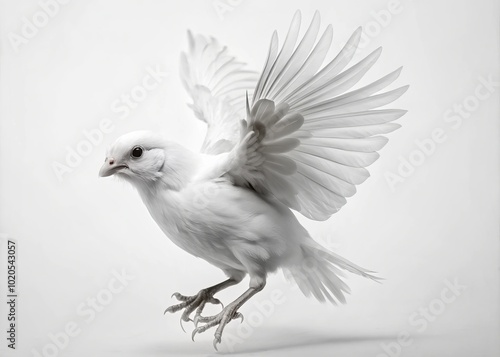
column 219, row 222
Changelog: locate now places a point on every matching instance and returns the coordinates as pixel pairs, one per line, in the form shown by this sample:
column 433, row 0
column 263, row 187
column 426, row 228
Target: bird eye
column 136, row 152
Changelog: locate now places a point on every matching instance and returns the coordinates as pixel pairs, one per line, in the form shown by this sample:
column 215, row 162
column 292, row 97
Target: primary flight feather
column 294, row 137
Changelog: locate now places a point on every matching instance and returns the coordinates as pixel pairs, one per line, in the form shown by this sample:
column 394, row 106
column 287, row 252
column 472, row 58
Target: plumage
column 302, row 142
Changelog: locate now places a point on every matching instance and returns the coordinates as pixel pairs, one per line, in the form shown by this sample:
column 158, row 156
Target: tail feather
column 319, row 275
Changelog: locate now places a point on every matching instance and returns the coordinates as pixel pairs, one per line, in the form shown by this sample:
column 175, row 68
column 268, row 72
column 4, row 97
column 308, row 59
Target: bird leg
column 230, row 312
column 198, row 301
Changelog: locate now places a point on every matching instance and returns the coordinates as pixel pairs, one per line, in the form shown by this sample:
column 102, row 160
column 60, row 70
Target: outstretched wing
column 216, row 83
column 308, row 137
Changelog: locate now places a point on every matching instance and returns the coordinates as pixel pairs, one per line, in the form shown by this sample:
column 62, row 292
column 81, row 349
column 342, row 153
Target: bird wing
column 308, row 137
column 216, row 82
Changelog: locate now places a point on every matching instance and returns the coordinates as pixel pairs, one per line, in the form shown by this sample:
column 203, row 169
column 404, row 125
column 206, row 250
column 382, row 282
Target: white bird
column 301, row 143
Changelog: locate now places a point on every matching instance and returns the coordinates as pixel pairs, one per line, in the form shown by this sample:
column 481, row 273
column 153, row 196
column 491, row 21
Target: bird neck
column 178, row 169
column 164, row 207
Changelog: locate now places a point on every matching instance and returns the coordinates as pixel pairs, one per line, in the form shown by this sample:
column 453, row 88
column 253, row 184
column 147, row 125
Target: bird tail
column 320, row 271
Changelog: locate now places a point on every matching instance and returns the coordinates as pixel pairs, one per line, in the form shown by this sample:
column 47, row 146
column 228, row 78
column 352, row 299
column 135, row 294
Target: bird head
column 137, row 157
column 145, row 159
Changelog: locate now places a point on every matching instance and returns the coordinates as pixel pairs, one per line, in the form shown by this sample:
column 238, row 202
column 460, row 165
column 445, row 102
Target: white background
column 440, row 224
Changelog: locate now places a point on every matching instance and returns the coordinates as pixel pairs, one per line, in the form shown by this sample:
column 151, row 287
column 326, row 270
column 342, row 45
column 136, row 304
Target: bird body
column 234, row 228
column 208, row 220
column 302, row 142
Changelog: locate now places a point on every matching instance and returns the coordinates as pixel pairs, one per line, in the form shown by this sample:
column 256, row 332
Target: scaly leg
column 230, row 312
column 198, row 301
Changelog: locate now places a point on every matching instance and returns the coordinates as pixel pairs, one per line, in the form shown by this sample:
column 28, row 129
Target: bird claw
column 198, row 302
column 182, row 327
column 239, row 315
column 211, row 322
column 175, row 308
column 190, row 303
column 220, row 320
column 169, row 309
column 183, row 319
column 217, row 340
column 195, row 331
column 196, row 320
column 199, row 318
column 180, row 297
column 216, row 301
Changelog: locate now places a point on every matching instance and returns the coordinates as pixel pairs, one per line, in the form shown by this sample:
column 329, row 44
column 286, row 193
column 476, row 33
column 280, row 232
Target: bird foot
column 191, row 303
column 221, row 320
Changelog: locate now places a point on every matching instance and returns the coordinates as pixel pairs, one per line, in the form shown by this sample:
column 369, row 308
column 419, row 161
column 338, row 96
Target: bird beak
column 110, row 167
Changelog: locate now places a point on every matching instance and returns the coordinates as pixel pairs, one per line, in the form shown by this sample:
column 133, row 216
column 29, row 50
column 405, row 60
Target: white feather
column 304, row 145
column 335, row 132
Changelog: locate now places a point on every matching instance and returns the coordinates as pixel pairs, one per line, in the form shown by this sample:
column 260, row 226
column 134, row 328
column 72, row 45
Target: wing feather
column 294, row 63
column 309, row 136
column 370, row 117
column 216, row 83
column 279, row 61
column 351, row 175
